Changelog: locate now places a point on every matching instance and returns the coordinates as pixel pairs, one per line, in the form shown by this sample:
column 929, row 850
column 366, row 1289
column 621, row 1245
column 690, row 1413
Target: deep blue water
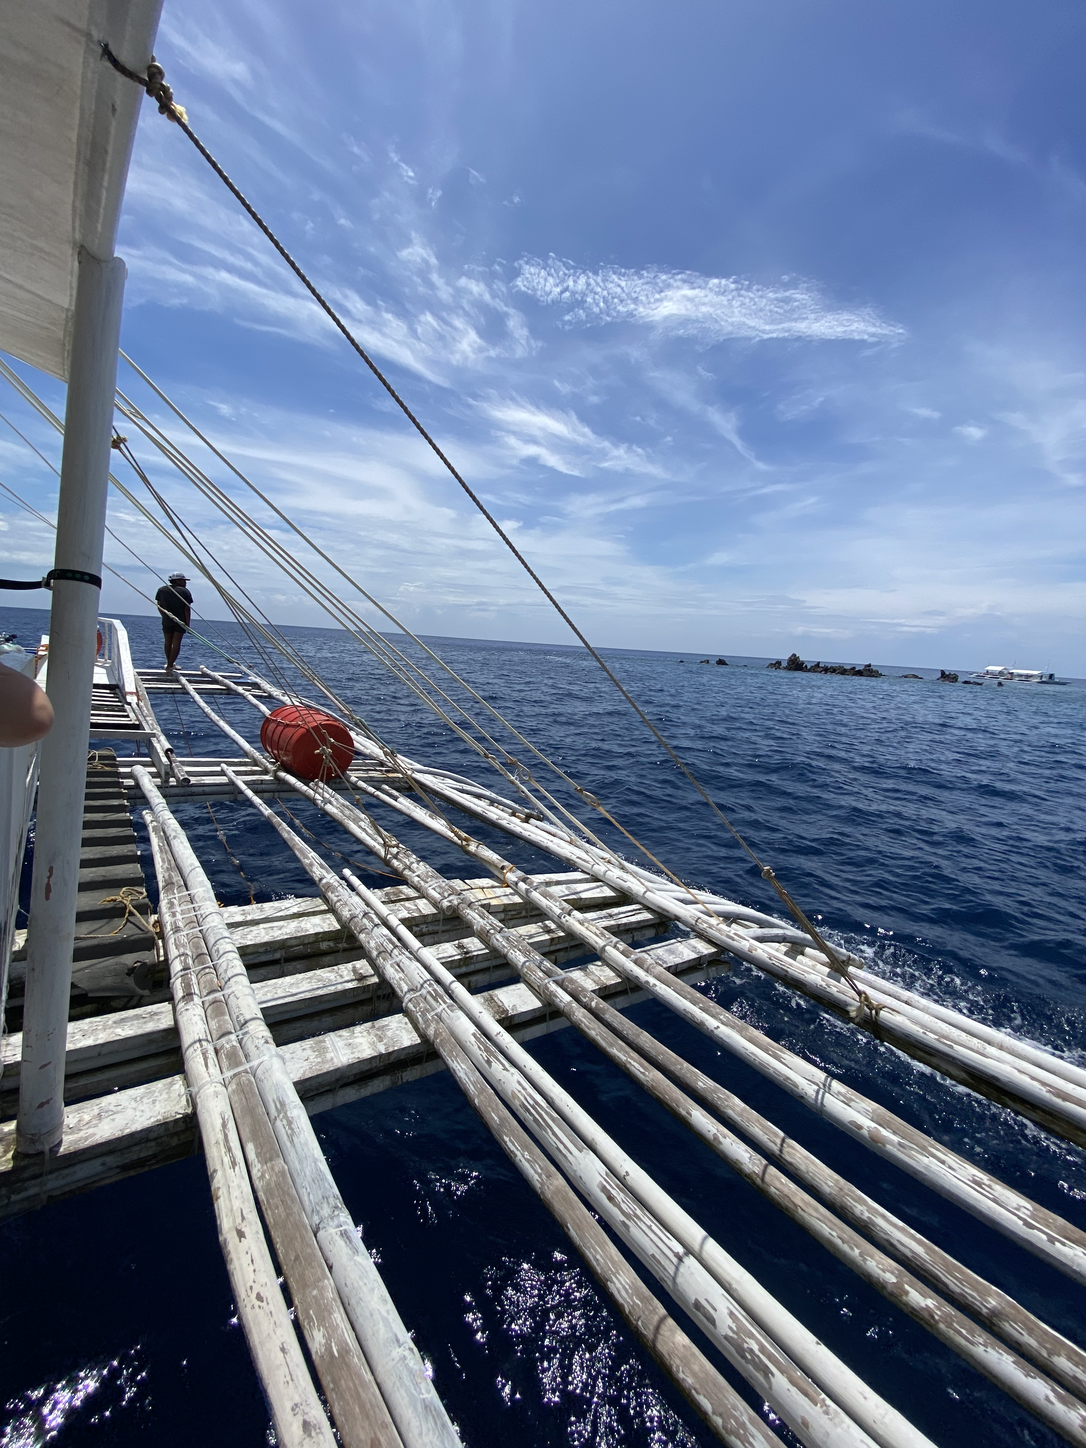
column 940, row 828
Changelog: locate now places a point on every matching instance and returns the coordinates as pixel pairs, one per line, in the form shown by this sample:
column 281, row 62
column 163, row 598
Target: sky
column 760, row 327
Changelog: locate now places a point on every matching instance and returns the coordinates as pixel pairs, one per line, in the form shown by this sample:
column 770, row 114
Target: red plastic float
column 308, row 742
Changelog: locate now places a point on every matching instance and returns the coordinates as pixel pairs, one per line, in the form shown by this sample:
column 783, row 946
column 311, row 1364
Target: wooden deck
column 114, row 960
column 341, row 1032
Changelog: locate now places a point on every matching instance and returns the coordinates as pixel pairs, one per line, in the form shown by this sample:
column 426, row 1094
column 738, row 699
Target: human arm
column 25, row 711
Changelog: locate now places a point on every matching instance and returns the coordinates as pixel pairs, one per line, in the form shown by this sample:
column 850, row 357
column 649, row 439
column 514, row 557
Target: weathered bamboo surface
column 309, row 979
column 132, row 1130
column 1050, row 1401
column 358, row 1410
column 296, row 1006
column 295, row 1407
column 202, row 779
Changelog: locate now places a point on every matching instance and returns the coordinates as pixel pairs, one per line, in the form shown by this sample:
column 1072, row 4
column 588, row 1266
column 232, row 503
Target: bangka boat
column 144, row 1020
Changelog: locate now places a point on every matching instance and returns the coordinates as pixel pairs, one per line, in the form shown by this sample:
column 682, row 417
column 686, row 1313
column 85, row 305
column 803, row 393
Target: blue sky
column 761, row 326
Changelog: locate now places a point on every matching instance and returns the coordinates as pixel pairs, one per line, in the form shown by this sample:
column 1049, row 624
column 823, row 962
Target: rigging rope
column 50, row 417
column 154, row 83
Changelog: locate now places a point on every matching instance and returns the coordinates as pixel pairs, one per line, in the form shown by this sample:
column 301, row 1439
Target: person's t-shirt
column 173, row 598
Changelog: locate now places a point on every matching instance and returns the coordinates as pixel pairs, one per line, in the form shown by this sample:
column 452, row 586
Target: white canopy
column 67, row 122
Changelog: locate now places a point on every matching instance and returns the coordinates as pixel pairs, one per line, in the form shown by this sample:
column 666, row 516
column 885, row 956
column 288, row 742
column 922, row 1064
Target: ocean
column 937, row 829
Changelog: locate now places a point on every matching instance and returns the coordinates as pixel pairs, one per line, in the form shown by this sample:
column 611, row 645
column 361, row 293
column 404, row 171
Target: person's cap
column 178, row 578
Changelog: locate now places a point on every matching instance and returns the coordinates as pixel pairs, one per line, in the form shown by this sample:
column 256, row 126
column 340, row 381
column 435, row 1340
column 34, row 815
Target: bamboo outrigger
column 297, row 1006
column 230, row 1028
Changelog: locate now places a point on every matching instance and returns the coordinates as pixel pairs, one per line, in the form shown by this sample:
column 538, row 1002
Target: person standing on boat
column 175, row 605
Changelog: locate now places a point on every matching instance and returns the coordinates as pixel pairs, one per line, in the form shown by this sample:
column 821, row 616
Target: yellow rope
column 129, row 896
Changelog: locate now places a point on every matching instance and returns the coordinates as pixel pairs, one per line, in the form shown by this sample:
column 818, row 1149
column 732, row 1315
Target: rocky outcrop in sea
column 795, row 665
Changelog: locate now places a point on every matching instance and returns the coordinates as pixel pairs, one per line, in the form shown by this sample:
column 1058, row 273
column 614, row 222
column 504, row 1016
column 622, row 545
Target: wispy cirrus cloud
column 704, row 309
column 560, row 440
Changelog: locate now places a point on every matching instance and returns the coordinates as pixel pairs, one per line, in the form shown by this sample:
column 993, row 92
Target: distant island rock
column 723, row 661
column 945, row 678
column 795, row 665
column 912, row 676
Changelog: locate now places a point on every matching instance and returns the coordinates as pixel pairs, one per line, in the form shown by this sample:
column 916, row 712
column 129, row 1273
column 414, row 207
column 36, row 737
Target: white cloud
column 559, row 440
column 201, row 54
column 685, row 304
column 971, row 432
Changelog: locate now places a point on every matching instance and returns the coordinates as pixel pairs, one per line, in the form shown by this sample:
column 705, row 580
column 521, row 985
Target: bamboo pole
column 1064, row 1360
column 358, row 1410
column 1036, row 1056
column 1049, row 1349
column 1031, row 1089
column 1035, row 1083
column 969, row 1186
column 1017, row 1378
column 295, row 1408
column 885, row 1425
column 816, row 1420
column 394, row 1360
column 1054, row 1406
column 1040, row 1231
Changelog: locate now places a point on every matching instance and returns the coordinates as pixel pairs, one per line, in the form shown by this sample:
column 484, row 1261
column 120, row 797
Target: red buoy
column 308, row 742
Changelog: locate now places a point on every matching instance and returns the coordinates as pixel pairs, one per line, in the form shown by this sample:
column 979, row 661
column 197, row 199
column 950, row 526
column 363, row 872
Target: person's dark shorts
column 171, row 626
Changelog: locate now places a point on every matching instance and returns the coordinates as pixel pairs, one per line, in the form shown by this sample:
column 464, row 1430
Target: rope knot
column 159, row 91
column 154, row 83
column 866, row 1010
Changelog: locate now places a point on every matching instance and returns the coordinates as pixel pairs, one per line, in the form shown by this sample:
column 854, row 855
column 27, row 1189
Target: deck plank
column 129, row 1131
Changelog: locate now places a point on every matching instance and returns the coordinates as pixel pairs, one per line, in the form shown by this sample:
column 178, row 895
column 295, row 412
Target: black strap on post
column 70, row 575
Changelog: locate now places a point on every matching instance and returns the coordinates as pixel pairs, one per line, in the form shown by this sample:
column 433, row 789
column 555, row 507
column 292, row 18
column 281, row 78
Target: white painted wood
column 18, row 778
column 314, row 998
column 141, row 1127
column 81, row 517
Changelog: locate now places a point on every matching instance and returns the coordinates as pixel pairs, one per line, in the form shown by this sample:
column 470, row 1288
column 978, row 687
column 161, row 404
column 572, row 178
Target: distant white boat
column 997, row 674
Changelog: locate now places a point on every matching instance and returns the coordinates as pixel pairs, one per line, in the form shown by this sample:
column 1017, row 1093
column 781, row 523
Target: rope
column 154, row 84
column 230, row 854
column 358, row 864
column 36, row 402
column 129, row 896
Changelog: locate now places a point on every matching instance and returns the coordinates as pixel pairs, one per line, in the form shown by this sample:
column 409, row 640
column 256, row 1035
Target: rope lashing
column 154, row 84
column 225, row 1076
column 866, row 1012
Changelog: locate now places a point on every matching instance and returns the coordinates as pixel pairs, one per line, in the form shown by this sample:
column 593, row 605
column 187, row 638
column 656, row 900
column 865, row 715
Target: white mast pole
column 81, row 518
